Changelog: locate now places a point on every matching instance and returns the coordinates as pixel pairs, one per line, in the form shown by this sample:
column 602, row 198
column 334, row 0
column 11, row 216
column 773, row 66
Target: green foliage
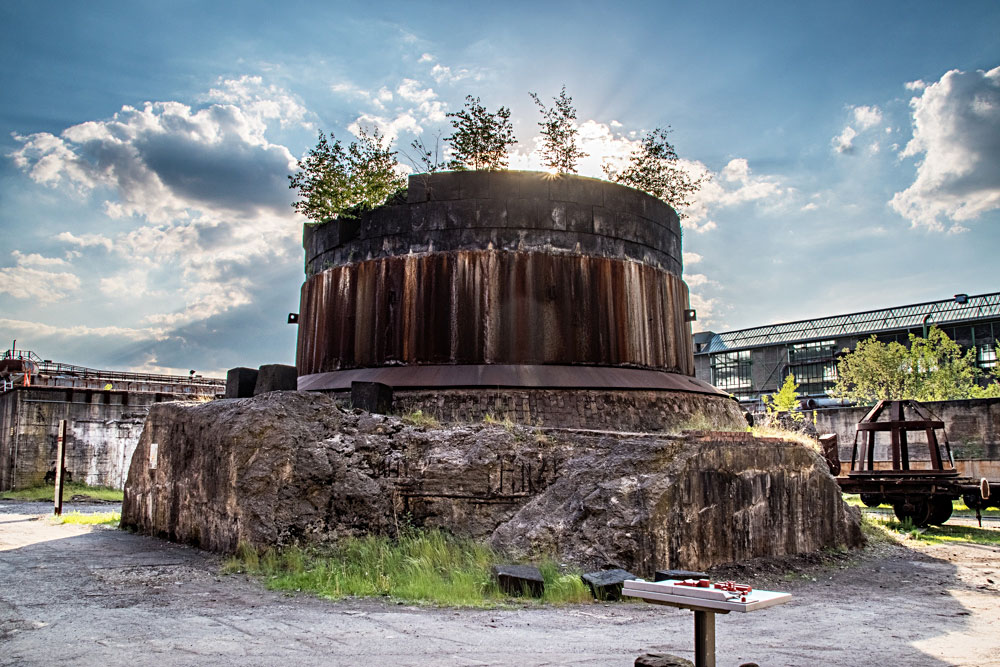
column 333, row 181
column 785, row 399
column 481, row 138
column 46, row 492
column 653, row 169
column 932, row 369
column 428, row 566
column 559, row 150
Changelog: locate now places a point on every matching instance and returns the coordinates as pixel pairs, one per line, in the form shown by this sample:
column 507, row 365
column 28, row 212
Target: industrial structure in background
column 105, row 411
column 752, row 363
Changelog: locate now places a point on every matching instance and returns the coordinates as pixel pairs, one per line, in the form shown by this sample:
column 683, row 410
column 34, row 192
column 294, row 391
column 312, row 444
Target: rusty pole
column 60, row 461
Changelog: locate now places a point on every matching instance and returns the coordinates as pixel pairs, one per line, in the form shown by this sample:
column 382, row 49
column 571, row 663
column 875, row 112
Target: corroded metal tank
column 503, row 280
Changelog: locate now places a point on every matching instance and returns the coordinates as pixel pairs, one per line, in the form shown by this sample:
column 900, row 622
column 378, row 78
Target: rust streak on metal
column 481, row 307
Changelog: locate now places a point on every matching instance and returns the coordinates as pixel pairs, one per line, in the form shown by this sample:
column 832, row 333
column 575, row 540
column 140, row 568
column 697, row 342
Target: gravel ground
column 100, row 596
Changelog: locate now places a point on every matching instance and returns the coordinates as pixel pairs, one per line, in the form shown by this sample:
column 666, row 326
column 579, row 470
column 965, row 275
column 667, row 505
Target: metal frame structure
column 948, row 311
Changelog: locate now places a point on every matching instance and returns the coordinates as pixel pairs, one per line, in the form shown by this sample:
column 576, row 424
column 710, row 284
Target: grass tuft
column 418, row 418
column 96, row 519
column 422, row 566
column 506, row 423
column 70, row 489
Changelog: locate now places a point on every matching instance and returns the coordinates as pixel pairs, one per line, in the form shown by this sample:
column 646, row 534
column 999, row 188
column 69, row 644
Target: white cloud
column 844, row 142
column 956, row 129
column 85, row 240
column 735, row 184
column 204, row 190
column 705, row 308
column 874, row 147
column 410, row 91
column 64, row 332
column 389, row 128
column 867, row 117
column 698, row 280
column 917, row 85
column 32, row 277
column 255, row 100
column 426, row 58
column 34, row 259
column 444, row 74
column 691, row 258
column 811, row 206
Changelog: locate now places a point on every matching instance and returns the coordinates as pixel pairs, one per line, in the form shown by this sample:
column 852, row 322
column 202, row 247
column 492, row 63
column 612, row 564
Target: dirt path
column 106, row 597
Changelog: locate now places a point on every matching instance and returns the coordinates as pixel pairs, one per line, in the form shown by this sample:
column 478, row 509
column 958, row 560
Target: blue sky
column 854, row 150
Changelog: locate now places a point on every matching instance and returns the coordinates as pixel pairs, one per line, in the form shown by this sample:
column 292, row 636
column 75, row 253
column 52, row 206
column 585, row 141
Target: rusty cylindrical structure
column 511, row 293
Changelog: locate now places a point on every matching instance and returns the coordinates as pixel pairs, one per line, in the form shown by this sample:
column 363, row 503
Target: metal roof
column 948, row 311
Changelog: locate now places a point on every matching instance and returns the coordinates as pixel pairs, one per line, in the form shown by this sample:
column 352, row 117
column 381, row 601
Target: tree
column 431, row 160
column 559, row 133
column 785, row 399
column 334, row 182
column 932, row 369
column 653, row 169
column 481, row 138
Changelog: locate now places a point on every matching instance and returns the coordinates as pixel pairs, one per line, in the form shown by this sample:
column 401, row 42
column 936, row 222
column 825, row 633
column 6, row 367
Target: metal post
column 60, row 462
column 704, row 638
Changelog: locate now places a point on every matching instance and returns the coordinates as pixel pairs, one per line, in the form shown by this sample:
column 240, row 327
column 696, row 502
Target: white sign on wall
column 154, row 451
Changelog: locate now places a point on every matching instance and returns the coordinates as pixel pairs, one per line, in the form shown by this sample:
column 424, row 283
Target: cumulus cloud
column 864, row 118
column 867, row 117
column 204, row 191
column 85, row 240
column 734, row 185
column 844, row 142
column 691, row 258
column 36, row 277
column 705, row 307
column 917, row 85
column 956, row 132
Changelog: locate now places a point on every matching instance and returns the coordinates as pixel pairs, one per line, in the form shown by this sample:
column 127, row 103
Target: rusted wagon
column 922, row 491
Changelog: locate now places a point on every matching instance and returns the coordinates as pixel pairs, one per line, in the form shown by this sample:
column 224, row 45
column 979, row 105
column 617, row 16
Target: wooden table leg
column 704, row 638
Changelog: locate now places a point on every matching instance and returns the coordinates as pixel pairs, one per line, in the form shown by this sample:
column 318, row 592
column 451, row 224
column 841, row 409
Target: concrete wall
column 972, row 427
column 635, row 411
column 102, row 431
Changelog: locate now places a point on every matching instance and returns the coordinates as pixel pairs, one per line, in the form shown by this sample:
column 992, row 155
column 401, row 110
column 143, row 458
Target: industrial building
column 104, row 410
column 751, row 363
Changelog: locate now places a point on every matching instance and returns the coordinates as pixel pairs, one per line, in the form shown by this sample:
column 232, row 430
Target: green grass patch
column 959, row 508
column 422, row 566
column 96, row 519
column 47, row 492
column 880, row 529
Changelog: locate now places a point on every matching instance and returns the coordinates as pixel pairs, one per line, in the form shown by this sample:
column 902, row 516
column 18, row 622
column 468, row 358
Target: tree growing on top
column 559, row 133
column 333, row 181
column 653, row 168
column 481, row 138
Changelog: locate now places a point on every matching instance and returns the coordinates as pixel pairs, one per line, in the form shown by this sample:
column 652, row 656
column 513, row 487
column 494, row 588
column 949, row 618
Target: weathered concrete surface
column 290, row 466
column 102, row 431
column 72, row 595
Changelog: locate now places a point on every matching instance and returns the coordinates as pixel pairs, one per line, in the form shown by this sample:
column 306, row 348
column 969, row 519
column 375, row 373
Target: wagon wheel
column 940, row 510
column 918, row 511
column 872, row 499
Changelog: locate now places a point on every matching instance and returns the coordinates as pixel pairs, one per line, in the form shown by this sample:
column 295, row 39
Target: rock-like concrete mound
column 293, row 466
